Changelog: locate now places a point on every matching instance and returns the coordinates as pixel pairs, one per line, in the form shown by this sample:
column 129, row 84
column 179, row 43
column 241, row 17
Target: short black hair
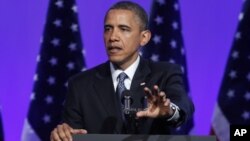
column 135, row 8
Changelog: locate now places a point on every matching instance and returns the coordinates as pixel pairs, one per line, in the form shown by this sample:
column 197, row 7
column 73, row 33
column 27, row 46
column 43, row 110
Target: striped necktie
column 121, row 87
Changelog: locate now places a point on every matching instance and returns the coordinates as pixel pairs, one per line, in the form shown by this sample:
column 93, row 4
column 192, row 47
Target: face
column 123, row 37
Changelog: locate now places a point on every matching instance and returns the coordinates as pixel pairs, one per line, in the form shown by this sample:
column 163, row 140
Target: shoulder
column 163, row 66
column 88, row 75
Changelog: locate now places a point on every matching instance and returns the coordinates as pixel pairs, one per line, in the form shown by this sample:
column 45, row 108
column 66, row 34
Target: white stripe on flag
column 220, row 125
column 28, row 133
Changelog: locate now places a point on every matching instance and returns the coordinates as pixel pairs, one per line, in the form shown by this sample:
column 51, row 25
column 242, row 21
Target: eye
column 107, row 28
column 125, row 29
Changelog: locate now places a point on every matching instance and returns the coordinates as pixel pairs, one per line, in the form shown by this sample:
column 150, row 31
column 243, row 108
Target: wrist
column 174, row 113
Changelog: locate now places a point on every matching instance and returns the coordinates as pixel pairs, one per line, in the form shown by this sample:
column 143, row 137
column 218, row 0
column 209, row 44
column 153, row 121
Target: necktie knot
column 122, row 76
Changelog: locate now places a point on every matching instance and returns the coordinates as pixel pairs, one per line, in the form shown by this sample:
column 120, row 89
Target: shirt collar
column 130, row 71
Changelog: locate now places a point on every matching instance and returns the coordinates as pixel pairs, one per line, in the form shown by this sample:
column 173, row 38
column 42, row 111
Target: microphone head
column 126, row 94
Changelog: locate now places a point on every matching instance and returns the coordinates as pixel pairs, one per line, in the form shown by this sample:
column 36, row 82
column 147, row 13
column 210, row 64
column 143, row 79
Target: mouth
column 114, row 50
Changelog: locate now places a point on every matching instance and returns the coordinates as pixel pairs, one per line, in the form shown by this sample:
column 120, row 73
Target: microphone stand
column 130, row 114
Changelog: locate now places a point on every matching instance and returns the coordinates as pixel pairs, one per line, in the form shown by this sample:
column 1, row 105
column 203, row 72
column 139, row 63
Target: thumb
column 141, row 114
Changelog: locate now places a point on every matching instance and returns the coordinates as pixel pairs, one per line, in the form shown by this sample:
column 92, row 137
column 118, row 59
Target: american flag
column 1, row 128
column 61, row 56
column 233, row 106
column 167, row 43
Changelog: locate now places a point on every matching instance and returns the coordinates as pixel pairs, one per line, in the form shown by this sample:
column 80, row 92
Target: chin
column 115, row 60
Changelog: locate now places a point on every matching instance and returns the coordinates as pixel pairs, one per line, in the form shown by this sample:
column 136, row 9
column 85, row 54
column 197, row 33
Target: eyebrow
column 124, row 26
column 120, row 26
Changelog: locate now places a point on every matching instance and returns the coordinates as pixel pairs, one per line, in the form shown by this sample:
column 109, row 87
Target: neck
column 126, row 64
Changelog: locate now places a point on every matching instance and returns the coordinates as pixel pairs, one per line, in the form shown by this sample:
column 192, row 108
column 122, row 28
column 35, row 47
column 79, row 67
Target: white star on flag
column 84, row 69
column 32, row 96
column 55, row 42
column 241, row 16
column 245, row 115
column 49, row 99
column 72, row 46
column 248, row 76
column 74, row 27
column 230, row 93
column 159, row 20
column 59, row 4
column 35, row 78
column 57, row 23
column 232, row 74
column 70, row 65
column 182, row 51
column 171, row 61
column 46, row 118
column 176, row 6
column 182, row 69
column 38, row 58
column 74, row 8
column 161, row 2
column 51, row 80
column 238, row 35
column 173, row 44
column 235, row 54
column 175, row 25
column 157, row 39
column 247, row 96
column 53, row 61
column 41, row 40
column 154, row 57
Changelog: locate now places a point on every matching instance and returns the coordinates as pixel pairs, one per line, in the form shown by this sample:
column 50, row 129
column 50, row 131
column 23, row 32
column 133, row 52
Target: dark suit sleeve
column 172, row 84
column 72, row 112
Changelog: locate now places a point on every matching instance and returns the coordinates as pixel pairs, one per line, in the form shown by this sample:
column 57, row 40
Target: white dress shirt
column 130, row 71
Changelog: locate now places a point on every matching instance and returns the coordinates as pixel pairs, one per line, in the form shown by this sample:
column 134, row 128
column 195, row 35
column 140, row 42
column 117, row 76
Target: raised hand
column 158, row 104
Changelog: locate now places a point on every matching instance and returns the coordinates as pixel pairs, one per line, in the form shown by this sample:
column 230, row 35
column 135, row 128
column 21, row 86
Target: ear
column 145, row 37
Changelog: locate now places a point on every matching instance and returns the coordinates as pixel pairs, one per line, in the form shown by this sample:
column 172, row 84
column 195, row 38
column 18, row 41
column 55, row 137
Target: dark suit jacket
column 92, row 104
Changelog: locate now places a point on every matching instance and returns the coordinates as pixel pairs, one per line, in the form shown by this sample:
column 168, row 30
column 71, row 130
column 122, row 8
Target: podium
column 127, row 137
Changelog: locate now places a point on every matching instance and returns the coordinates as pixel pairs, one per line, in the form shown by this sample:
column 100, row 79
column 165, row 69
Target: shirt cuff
column 176, row 116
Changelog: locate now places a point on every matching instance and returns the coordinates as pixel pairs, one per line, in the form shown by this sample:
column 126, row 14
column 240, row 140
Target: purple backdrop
column 208, row 29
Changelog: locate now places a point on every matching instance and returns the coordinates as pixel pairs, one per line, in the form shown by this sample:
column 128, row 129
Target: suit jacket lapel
column 105, row 90
column 141, row 75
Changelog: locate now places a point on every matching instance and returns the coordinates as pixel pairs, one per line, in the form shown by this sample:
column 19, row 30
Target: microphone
column 127, row 101
column 129, row 113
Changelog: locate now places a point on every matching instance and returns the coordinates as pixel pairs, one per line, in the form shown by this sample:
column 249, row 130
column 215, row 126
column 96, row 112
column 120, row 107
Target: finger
column 156, row 90
column 67, row 131
column 148, row 93
column 79, row 131
column 167, row 103
column 61, row 132
column 162, row 96
column 152, row 98
column 54, row 135
column 141, row 114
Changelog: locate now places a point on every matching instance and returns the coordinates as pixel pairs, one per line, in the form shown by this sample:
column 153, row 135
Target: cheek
column 105, row 37
column 131, row 42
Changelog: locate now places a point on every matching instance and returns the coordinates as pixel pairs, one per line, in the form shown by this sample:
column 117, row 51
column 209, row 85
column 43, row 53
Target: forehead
column 121, row 15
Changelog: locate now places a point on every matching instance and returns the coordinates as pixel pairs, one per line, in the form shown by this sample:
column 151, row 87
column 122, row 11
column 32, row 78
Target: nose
column 114, row 36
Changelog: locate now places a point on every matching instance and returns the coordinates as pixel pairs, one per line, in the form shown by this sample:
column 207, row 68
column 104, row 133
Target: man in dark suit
column 95, row 99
